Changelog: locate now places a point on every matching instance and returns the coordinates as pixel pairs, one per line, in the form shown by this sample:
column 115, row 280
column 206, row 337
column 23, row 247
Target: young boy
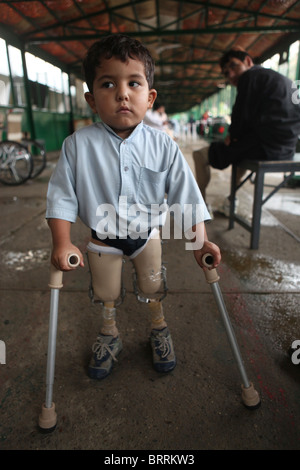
column 107, row 173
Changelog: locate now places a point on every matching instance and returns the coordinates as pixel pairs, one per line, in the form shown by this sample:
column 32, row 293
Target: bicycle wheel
column 38, row 155
column 15, row 163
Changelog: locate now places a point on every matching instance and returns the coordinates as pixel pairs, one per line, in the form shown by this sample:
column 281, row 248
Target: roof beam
column 106, row 9
column 233, row 9
column 246, row 30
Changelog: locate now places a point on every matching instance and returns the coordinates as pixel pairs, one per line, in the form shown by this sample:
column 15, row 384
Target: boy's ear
column 152, row 97
column 89, row 98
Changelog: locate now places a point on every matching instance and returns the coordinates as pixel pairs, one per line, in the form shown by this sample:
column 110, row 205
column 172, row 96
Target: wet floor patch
column 25, row 261
column 286, row 202
column 264, row 272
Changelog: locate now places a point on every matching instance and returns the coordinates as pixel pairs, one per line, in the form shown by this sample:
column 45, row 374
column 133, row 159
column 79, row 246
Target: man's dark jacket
column 266, row 111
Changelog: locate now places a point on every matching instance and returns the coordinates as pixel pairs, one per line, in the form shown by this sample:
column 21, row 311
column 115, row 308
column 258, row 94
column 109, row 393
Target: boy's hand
column 60, row 256
column 62, row 245
column 212, row 249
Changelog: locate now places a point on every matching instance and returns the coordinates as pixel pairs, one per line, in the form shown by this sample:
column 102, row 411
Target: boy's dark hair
column 157, row 105
column 238, row 54
column 122, row 47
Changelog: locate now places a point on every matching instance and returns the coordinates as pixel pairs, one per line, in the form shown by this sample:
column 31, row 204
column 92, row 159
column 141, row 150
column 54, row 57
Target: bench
column 259, row 168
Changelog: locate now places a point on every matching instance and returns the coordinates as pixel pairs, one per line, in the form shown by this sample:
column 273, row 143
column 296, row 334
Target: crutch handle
column 211, row 275
column 56, row 275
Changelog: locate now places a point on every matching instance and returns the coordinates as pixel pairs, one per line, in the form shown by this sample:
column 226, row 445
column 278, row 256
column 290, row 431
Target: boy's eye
column 134, row 84
column 107, row 84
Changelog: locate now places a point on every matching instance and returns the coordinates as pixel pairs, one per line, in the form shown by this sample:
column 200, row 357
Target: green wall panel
column 53, row 128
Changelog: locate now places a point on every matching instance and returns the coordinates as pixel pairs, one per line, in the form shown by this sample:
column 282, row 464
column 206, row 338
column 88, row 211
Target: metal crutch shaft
column 48, row 416
column 250, row 396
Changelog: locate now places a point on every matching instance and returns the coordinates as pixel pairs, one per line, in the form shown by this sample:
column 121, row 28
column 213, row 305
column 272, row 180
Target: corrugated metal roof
column 186, row 38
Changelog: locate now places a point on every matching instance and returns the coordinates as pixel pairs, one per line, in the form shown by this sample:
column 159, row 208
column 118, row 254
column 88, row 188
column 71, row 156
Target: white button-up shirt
column 134, row 182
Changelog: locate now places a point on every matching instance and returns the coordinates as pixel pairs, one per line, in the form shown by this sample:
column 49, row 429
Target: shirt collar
column 135, row 131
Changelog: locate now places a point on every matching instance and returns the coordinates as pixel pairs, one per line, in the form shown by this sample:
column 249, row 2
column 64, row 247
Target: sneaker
column 105, row 350
column 164, row 359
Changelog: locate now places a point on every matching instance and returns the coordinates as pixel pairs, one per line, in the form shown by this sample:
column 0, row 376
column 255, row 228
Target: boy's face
column 121, row 94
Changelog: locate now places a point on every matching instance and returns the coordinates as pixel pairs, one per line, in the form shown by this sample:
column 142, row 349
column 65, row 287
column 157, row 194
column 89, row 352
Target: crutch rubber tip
column 47, row 419
column 250, row 397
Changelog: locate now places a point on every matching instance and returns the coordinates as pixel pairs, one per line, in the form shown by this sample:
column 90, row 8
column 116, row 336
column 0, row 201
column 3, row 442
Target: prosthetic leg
column 149, row 274
column 250, row 397
column 106, row 289
column 150, row 287
column 48, row 417
column 148, row 277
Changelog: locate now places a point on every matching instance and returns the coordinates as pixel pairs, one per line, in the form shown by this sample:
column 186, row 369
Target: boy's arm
column 62, row 245
column 208, row 247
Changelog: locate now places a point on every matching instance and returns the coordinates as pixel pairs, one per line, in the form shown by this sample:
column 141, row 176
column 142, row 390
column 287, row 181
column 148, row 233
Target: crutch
column 250, row 396
column 48, row 416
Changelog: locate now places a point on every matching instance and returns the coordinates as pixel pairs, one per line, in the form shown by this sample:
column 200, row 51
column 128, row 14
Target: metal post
column 257, row 204
column 28, row 97
column 71, row 106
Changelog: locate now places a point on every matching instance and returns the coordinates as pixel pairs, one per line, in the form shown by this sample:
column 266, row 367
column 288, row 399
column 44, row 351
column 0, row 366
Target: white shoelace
column 164, row 345
column 100, row 349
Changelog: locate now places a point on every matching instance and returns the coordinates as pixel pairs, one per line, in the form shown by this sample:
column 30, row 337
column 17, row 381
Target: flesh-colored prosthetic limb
column 106, row 271
column 157, row 315
column 147, row 266
column 109, row 319
column 148, row 280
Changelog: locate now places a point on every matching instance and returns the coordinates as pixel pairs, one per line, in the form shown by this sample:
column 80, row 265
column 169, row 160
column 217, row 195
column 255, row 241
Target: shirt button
column 126, row 168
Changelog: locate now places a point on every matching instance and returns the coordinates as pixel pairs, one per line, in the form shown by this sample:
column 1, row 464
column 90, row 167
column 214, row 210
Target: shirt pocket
column 152, row 186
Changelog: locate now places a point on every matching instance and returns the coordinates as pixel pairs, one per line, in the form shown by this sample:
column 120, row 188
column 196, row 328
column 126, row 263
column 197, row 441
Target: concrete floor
column 198, row 405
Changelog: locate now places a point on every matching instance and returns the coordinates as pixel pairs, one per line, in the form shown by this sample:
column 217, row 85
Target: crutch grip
column 56, row 276
column 211, row 275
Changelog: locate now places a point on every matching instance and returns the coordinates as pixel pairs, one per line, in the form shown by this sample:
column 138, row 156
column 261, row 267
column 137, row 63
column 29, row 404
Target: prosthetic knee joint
column 151, row 287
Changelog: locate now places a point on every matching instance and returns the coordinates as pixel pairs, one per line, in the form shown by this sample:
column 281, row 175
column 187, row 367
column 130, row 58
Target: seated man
column 265, row 121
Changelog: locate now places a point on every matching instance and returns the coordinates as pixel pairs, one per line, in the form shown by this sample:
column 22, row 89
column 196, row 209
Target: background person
column 265, row 122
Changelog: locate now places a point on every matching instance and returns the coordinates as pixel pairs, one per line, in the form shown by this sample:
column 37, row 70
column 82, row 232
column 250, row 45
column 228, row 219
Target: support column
column 28, row 97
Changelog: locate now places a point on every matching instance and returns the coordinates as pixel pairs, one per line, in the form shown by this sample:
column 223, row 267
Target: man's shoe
column 164, row 359
column 105, row 350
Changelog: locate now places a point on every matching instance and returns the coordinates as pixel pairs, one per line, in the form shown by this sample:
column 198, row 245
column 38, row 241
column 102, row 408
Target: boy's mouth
column 123, row 109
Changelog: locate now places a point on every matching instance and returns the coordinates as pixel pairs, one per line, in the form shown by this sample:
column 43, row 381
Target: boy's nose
column 122, row 94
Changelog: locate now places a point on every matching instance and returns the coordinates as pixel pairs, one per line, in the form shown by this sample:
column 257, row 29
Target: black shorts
column 127, row 245
column 220, row 156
